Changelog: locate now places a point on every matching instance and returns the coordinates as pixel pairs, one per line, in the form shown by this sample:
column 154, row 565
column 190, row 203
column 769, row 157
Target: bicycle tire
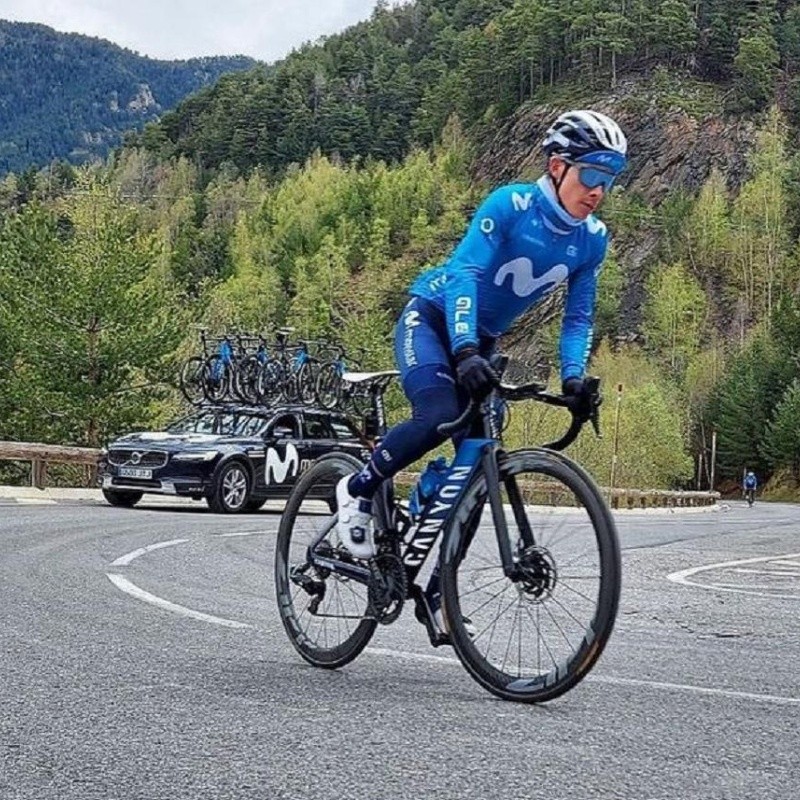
column 268, row 382
column 307, row 384
column 191, row 380
column 216, row 379
column 329, row 386
column 244, row 379
column 318, row 483
column 462, row 542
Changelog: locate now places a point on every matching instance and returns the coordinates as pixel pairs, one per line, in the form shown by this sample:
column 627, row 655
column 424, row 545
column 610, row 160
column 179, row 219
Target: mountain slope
column 71, row 96
column 386, row 85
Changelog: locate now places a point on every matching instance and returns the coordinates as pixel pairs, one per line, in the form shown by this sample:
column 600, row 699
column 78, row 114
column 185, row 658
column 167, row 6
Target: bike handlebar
column 582, row 408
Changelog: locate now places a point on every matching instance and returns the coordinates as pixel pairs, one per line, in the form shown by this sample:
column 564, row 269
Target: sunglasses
column 593, row 175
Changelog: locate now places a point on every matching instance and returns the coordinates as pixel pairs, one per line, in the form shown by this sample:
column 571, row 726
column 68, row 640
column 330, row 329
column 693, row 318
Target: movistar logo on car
column 277, row 468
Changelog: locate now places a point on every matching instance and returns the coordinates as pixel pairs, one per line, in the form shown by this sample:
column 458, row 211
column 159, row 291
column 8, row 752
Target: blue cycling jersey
column 520, row 246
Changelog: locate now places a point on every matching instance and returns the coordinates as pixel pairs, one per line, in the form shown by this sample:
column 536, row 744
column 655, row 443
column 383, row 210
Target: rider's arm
column 474, row 253
column 577, row 327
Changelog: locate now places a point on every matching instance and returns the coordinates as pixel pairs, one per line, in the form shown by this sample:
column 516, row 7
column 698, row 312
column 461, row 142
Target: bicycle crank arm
column 356, row 573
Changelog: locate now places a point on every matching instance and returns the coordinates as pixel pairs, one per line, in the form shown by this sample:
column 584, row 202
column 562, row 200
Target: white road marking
column 777, row 572
column 612, row 680
column 685, row 687
column 35, row 501
column 237, row 533
column 683, row 577
column 132, row 589
column 123, row 561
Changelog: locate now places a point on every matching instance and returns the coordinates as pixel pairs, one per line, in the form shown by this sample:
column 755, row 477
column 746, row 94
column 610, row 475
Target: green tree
column 755, row 66
column 674, row 316
column 93, row 322
column 781, row 444
column 744, row 400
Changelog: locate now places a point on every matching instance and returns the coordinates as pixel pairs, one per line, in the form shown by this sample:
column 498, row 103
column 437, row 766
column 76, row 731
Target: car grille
column 144, row 458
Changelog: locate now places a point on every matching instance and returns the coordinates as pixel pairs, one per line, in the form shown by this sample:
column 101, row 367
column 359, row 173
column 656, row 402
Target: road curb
column 25, row 495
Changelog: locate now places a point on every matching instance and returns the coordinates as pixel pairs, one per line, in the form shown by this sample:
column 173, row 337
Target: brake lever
column 593, row 385
column 594, row 418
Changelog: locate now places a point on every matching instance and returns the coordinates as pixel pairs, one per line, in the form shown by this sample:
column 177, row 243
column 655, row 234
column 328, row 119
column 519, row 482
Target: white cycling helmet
column 579, row 133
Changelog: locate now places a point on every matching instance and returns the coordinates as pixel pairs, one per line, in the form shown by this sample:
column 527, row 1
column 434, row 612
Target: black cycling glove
column 583, row 401
column 475, row 373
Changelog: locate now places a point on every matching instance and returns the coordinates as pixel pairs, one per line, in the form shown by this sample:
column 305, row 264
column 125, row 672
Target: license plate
column 135, row 472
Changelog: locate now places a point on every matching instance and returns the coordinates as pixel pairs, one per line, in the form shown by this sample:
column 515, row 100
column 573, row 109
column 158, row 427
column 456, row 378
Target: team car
column 236, row 457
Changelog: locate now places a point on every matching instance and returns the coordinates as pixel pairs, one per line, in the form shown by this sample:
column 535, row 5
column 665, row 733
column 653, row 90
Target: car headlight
column 195, row 455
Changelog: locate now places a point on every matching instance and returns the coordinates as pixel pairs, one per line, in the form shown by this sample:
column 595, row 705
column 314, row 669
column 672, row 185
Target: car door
column 283, row 448
column 347, row 437
column 318, row 438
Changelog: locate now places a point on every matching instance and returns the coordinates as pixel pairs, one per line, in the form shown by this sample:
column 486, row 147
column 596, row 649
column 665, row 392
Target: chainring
column 387, row 588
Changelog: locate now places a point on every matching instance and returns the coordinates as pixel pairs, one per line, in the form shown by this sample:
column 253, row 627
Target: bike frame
column 472, row 454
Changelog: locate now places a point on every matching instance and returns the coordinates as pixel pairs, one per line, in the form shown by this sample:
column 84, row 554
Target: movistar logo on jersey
column 521, row 202
column 524, row 283
column 594, row 225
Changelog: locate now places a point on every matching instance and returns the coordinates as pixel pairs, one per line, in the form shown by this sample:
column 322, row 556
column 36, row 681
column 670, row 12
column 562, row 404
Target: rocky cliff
column 675, row 141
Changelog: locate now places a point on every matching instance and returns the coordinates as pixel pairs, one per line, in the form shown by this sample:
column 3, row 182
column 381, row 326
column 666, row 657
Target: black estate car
column 236, row 457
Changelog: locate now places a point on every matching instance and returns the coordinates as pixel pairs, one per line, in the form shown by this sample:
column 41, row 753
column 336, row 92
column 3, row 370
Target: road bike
column 529, row 561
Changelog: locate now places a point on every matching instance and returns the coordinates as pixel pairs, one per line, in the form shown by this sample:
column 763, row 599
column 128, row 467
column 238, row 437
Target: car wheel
column 231, row 489
column 254, row 505
column 122, row 499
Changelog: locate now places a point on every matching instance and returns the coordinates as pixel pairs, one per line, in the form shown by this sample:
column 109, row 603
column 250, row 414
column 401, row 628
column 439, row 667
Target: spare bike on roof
column 529, row 556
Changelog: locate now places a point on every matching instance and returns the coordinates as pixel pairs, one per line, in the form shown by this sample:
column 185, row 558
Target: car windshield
column 247, row 425
column 199, row 422
column 225, row 423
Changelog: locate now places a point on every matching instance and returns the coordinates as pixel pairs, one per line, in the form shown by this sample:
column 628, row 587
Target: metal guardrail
column 41, row 454
column 617, row 498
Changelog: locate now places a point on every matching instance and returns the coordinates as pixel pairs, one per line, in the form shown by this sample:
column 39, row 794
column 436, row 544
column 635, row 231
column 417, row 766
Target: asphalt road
column 167, row 675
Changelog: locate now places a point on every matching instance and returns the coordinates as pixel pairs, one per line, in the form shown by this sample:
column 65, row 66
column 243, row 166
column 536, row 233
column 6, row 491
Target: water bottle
column 428, row 484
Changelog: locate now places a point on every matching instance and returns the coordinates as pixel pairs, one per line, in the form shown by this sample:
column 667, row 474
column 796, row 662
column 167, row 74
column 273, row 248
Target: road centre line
column 123, row 561
column 612, row 680
column 682, row 576
column 776, row 572
column 123, row 584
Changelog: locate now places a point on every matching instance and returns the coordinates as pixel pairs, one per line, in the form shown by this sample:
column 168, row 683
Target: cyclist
column 749, row 485
column 523, row 242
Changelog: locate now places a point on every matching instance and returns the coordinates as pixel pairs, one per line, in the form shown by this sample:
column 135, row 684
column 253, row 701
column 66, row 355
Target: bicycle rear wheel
column 329, row 386
column 324, row 613
column 537, row 634
column 191, row 380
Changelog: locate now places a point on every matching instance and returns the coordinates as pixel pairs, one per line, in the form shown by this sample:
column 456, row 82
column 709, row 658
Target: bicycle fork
column 490, row 455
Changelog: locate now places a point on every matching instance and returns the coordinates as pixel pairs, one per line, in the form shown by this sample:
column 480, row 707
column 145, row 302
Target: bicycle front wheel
column 324, row 613
column 536, row 633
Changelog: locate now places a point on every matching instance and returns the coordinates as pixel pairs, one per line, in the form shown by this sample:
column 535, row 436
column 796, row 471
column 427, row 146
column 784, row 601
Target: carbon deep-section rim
column 336, row 631
column 538, row 633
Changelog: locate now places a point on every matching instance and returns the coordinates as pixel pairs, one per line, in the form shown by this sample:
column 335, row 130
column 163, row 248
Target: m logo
column 521, row 201
column 523, row 281
column 594, row 225
column 411, row 319
column 277, row 469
